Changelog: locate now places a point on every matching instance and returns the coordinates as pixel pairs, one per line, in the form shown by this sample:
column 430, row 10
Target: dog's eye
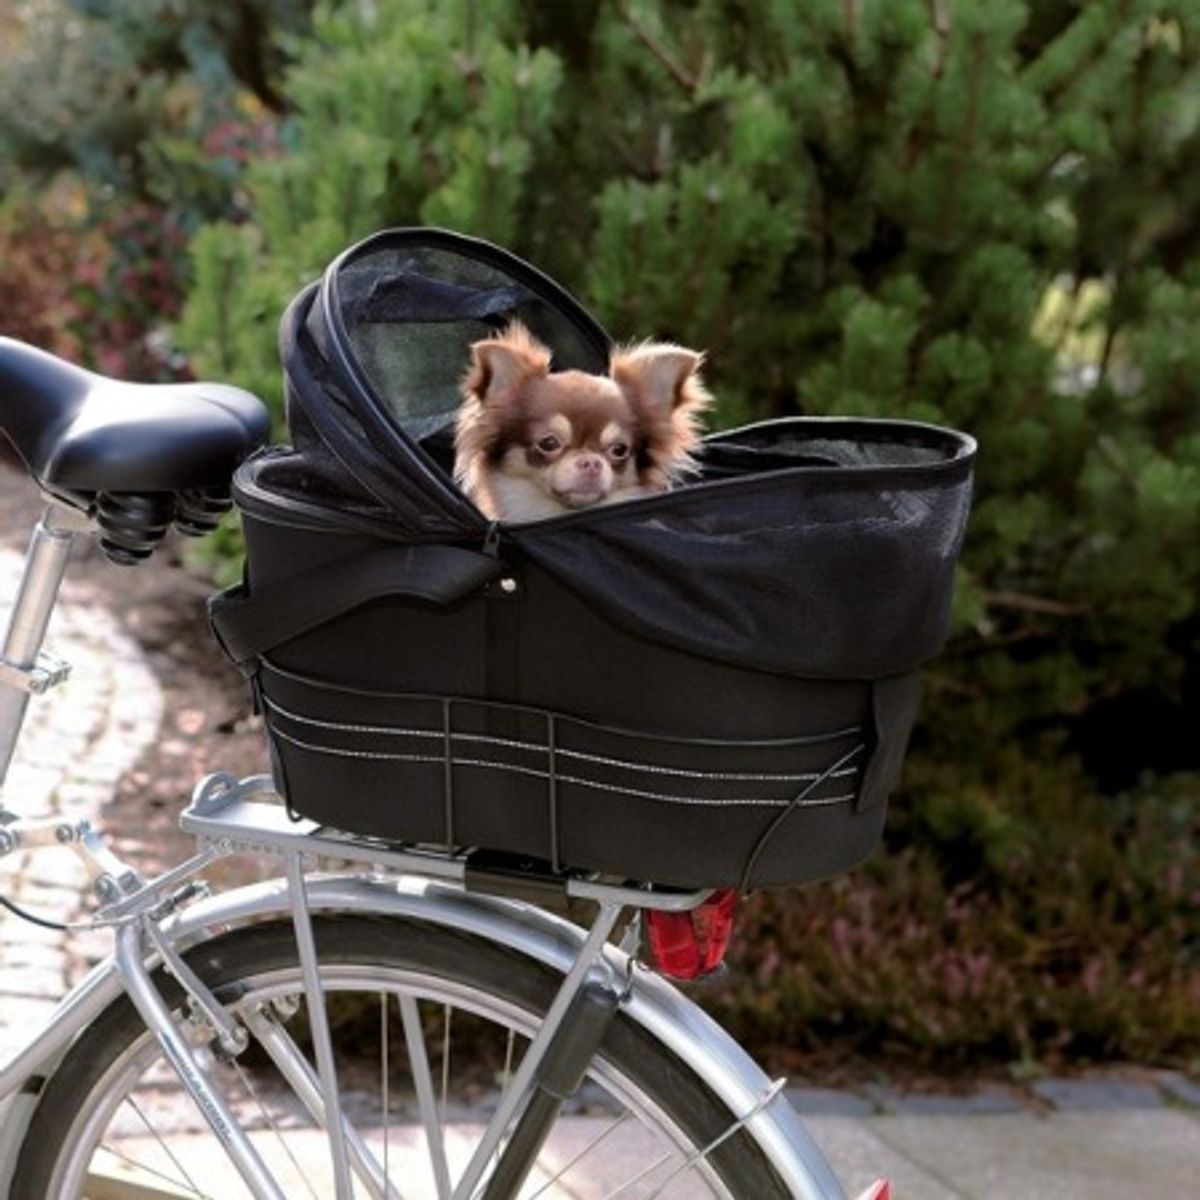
column 548, row 444
column 618, row 451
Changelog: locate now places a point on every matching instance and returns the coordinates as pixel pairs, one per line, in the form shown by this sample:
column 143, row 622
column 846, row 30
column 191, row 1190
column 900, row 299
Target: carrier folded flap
column 894, row 705
column 248, row 624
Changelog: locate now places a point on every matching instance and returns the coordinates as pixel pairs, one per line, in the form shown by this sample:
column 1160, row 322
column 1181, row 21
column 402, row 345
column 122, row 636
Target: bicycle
column 213, row 994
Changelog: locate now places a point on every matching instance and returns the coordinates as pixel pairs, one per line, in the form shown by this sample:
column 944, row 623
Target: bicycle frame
column 20, row 671
column 156, row 920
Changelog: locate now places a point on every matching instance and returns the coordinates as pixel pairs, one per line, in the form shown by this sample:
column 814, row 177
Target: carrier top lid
column 387, row 335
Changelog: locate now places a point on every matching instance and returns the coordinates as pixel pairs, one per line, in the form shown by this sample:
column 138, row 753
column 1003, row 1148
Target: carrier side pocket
column 894, row 704
column 249, row 624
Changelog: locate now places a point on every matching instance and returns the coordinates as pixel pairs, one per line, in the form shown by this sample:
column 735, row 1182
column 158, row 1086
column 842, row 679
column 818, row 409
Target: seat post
column 20, row 671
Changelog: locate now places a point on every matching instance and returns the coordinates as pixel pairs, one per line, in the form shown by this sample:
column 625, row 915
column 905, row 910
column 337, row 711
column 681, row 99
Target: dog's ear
column 660, row 377
column 498, row 365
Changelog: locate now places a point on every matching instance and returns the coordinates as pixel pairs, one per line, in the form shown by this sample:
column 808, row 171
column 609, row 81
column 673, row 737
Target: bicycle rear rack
column 249, row 816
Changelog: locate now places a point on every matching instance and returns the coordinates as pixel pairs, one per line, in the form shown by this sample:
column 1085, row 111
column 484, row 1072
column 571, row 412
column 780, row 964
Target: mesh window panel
column 412, row 312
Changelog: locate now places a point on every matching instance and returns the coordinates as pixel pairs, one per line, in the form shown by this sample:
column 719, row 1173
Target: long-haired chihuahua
column 531, row 443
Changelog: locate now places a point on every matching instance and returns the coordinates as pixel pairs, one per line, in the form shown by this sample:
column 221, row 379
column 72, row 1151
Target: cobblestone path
column 77, row 741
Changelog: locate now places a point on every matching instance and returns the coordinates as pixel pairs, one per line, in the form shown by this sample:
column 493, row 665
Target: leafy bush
column 36, row 260
column 978, row 213
column 133, row 131
column 994, row 958
column 128, row 96
column 127, row 284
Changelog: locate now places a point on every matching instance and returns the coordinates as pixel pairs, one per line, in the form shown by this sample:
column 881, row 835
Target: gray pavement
column 1126, row 1135
column 1093, row 1144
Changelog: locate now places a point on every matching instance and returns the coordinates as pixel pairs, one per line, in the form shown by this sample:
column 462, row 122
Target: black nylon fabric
column 809, row 572
column 341, row 459
column 808, row 547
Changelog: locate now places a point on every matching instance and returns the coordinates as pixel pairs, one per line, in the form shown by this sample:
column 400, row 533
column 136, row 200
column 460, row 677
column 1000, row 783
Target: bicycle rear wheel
column 404, row 998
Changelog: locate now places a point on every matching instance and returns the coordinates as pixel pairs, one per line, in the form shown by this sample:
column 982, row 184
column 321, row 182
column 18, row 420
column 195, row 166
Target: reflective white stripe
column 536, row 748
column 561, row 778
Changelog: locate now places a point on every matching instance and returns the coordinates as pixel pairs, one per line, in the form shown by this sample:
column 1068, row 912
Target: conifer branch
column 1021, row 602
column 1054, row 90
column 675, row 69
column 612, row 135
column 967, row 137
column 939, row 16
column 937, row 681
column 850, row 13
column 1113, row 324
column 1111, row 452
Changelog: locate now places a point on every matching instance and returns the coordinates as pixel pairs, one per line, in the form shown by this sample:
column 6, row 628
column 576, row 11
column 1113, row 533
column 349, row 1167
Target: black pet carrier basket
column 712, row 686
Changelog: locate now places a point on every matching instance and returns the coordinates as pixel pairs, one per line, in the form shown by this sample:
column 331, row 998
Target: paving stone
column 1180, row 1088
column 859, row 1156
column 1096, row 1095
column 75, row 793
column 41, row 886
column 97, row 772
column 1095, row 1155
column 23, row 1015
column 53, row 889
column 12, row 937
column 32, row 780
column 830, row 1101
column 38, row 955
column 977, row 1101
column 33, row 981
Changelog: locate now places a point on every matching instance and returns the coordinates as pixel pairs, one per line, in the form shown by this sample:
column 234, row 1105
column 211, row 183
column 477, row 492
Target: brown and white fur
column 532, row 444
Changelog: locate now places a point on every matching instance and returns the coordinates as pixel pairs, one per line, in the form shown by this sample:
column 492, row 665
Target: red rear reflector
column 688, row 945
column 879, row 1190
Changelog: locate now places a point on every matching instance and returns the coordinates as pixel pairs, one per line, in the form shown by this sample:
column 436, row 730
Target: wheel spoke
column 305, row 1084
column 418, row 1062
column 150, row 1129
column 700, row 1155
column 384, row 1073
column 120, row 1156
column 574, row 1161
column 284, row 1144
column 510, row 1044
column 447, row 1013
column 644, row 1174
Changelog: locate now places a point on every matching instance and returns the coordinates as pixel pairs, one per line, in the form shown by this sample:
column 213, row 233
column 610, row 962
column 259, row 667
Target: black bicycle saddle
column 82, row 434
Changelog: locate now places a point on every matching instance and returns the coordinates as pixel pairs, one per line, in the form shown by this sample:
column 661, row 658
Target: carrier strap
column 247, row 624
